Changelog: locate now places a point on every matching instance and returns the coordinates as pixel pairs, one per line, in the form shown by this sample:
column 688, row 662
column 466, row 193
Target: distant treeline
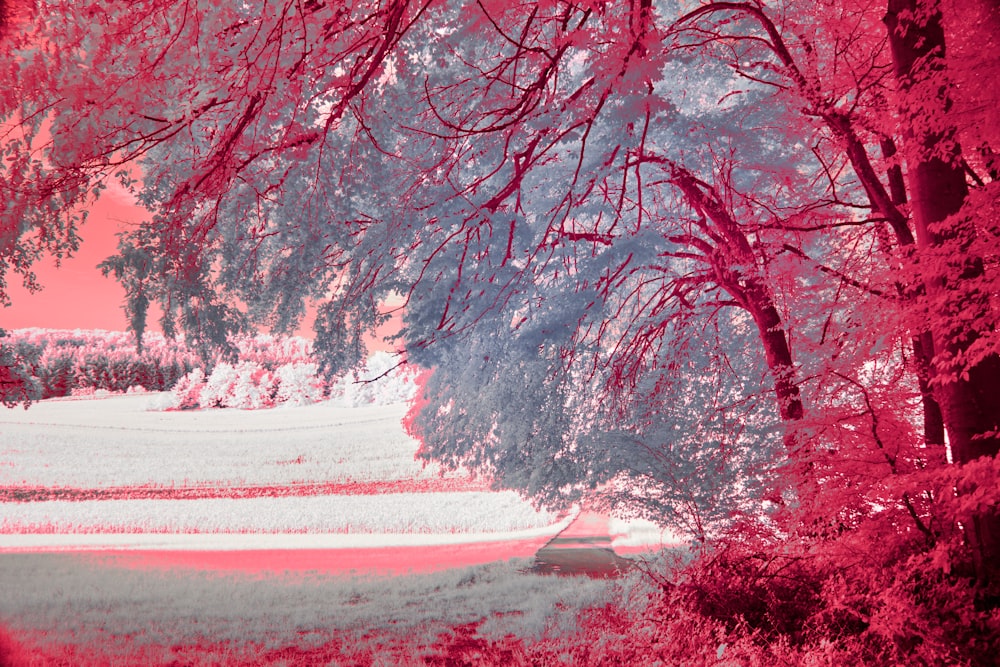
column 62, row 362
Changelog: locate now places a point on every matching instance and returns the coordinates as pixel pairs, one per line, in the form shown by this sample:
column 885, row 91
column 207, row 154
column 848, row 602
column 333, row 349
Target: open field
column 111, row 466
column 133, row 537
column 76, row 609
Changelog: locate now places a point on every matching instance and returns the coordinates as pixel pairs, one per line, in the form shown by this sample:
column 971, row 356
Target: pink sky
column 76, row 295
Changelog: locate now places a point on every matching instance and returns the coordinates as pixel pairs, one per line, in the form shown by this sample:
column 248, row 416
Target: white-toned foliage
column 186, row 393
column 254, row 388
column 298, row 384
column 218, row 385
column 383, row 381
column 250, row 385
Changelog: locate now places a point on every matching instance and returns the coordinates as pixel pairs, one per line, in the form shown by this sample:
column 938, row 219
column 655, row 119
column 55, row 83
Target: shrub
column 791, row 602
column 299, row 384
column 254, row 387
column 186, row 393
column 56, row 372
column 248, row 386
column 218, row 385
column 382, row 381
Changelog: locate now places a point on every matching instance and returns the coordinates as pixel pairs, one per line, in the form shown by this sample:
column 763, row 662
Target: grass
column 68, row 609
column 63, row 608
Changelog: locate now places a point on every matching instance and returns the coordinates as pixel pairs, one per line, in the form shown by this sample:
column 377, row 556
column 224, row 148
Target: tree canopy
column 722, row 261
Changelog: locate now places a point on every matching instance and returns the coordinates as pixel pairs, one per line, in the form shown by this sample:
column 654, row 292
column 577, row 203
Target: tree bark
column 777, row 351
column 734, row 264
column 923, row 342
column 969, row 396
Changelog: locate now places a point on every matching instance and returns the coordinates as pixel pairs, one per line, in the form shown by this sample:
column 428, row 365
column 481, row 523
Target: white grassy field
column 117, row 441
column 67, row 608
column 296, row 478
column 112, row 466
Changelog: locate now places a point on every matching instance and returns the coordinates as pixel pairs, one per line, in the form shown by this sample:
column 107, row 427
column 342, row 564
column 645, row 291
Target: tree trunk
column 777, row 351
column 734, row 265
column 923, row 342
column 968, row 397
column 923, row 352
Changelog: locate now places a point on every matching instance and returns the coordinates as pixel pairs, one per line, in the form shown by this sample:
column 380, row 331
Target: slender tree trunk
column 734, row 264
column 923, row 343
column 923, row 353
column 777, row 351
column 969, row 400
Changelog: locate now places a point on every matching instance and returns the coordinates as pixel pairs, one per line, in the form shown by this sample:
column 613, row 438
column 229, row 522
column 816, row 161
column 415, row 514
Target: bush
column 56, row 373
column 382, row 381
column 248, row 386
column 299, row 384
column 791, row 602
column 186, row 393
column 251, row 385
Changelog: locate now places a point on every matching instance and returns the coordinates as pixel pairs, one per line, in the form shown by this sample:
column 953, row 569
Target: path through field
column 159, row 535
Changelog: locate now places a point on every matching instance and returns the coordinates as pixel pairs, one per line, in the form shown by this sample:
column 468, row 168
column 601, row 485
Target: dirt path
column 583, row 548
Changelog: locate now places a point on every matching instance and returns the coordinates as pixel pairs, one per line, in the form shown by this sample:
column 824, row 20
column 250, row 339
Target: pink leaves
column 187, row 391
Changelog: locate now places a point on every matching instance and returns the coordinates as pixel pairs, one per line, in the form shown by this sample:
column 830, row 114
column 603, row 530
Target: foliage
column 61, row 362
column 17, row 386
column 251, row 384
column 751, row 603
column 733, row 262
column 271, row 352
column 298, row 384
column 246, row 385
column 269, row 370
column 381, row 381
column 186, row 393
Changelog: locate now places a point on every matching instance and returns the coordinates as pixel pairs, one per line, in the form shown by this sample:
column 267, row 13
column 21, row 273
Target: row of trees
column 719, row 259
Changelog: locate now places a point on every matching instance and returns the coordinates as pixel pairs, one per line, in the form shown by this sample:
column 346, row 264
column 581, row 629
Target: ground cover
column 112, row 465
column 285, row 487
column 65, row 609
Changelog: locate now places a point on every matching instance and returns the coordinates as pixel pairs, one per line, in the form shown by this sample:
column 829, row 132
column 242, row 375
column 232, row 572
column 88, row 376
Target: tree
column 957, row 357
column 92, row 92
column 17, row 386
column 949, row 224
column 582, row 201
column 37, row 214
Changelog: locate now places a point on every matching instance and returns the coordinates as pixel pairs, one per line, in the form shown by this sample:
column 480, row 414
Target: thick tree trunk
column 968, row 398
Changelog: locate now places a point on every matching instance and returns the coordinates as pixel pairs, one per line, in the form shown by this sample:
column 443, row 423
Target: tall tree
column 945, row 283
column 585, row 199
column 963, row 317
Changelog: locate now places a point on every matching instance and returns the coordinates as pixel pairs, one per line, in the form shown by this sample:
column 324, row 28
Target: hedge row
column 55, row 362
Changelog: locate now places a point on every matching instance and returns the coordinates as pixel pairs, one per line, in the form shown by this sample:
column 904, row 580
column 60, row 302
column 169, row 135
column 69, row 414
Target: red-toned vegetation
column 58, row 363
column 733, row 265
